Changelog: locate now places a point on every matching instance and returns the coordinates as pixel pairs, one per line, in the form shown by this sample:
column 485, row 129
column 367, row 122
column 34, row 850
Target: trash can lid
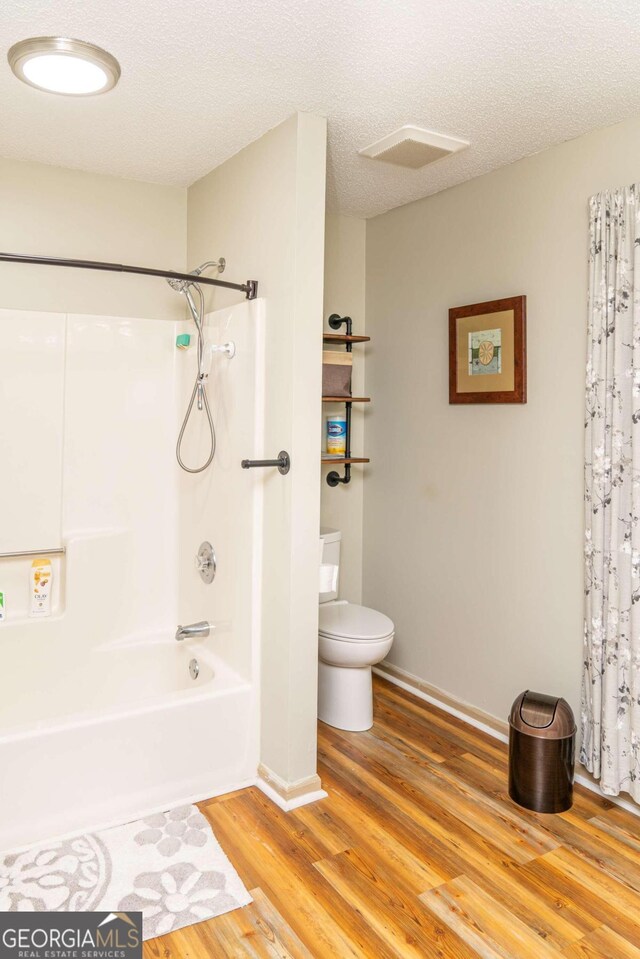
column 547, row 717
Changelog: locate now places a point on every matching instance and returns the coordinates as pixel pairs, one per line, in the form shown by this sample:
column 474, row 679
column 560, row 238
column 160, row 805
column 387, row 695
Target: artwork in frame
column 488, row 352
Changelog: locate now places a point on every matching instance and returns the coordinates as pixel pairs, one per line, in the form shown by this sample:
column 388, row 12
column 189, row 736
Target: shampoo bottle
column 40, row 588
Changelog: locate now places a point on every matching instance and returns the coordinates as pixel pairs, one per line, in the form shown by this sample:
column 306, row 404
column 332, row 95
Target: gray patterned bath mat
column 169, row 866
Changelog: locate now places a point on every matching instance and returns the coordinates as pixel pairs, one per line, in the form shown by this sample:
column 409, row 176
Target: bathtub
column 101, row 721
column 108, row 761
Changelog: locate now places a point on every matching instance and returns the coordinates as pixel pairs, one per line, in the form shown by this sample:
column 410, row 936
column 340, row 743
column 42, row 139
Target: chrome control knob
column 206, row 563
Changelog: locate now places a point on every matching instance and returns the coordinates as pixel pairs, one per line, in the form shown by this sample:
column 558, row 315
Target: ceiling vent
column 412, row 147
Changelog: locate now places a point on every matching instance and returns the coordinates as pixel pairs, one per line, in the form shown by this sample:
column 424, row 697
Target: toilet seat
column 350, row 623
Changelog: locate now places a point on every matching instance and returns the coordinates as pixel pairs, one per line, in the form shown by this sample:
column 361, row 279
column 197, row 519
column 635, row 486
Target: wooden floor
column 419, row 852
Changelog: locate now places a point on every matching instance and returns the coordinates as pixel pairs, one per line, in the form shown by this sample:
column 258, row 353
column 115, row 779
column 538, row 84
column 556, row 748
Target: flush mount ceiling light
column 59, row 65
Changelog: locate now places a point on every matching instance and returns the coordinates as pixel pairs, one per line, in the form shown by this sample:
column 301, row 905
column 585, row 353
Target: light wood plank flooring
column 419, row 852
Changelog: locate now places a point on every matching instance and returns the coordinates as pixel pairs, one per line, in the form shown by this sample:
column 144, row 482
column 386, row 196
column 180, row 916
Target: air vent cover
column 412, row 147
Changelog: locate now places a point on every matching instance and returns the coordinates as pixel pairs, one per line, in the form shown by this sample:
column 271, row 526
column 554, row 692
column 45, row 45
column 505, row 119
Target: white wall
column 263, row 210
column 344, row 293
column 50, row 211
column 473, row 514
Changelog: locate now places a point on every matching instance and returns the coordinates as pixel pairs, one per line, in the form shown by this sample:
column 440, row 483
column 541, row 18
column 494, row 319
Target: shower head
column 218, row 264
column 178, row 285
column 181, row 286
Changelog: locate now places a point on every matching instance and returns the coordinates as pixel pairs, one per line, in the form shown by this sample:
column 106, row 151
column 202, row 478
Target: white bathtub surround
column 168, row 866
column 289, row 796
column 32, row 359
column 224, row 504
column 100, row 720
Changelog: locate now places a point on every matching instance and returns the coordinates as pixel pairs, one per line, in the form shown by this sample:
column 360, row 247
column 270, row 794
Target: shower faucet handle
column 206, row 563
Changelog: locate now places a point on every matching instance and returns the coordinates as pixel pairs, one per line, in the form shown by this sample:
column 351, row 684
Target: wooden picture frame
column 488, row 352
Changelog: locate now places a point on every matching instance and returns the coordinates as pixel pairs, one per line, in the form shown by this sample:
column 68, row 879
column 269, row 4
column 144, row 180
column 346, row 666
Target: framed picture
column 488, row 352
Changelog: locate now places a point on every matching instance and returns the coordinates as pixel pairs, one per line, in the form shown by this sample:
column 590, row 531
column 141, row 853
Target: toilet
column 351, row 639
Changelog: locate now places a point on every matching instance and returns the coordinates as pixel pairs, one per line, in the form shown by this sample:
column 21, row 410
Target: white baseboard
column 288, row 805
column 481, row 720
column 448, row 703
column 288, row 796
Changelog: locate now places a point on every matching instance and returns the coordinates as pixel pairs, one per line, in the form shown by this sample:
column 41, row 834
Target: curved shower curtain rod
column 250, row 288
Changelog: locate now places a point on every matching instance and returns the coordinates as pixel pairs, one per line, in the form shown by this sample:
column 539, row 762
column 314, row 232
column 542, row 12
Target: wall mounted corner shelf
column 348, row 339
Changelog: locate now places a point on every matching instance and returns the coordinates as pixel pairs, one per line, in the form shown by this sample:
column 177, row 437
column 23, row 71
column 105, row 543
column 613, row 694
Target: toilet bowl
column 351, row 639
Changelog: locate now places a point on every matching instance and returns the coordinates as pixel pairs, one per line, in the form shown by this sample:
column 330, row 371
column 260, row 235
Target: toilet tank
column 330, row 539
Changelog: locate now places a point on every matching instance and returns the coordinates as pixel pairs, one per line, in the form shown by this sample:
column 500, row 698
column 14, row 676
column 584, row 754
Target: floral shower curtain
column 611, row 677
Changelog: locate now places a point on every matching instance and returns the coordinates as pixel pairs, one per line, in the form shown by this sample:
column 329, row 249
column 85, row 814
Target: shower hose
column 199, row 392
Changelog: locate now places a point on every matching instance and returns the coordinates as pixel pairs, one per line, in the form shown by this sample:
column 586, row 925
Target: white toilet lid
column 351, row 622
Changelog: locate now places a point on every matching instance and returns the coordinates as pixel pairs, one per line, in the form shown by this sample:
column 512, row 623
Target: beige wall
column 264, row 211
column 51, row 211
column 344, row 294
column 473, row 515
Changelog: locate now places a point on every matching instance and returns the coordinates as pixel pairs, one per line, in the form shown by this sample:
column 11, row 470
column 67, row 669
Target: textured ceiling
column 202, row 78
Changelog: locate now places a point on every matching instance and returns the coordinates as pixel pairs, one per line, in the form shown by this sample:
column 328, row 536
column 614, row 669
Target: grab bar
column 283, row 463
column 33, row 552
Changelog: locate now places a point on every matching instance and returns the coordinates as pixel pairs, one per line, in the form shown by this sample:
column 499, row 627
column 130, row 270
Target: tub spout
column 194, row 629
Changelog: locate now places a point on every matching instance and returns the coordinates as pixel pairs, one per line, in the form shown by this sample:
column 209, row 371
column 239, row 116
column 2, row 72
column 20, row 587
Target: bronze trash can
column 542, row 734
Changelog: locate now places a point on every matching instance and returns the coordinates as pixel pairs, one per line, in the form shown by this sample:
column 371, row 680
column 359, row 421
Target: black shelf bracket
column 335, row 321
column 334, row 478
